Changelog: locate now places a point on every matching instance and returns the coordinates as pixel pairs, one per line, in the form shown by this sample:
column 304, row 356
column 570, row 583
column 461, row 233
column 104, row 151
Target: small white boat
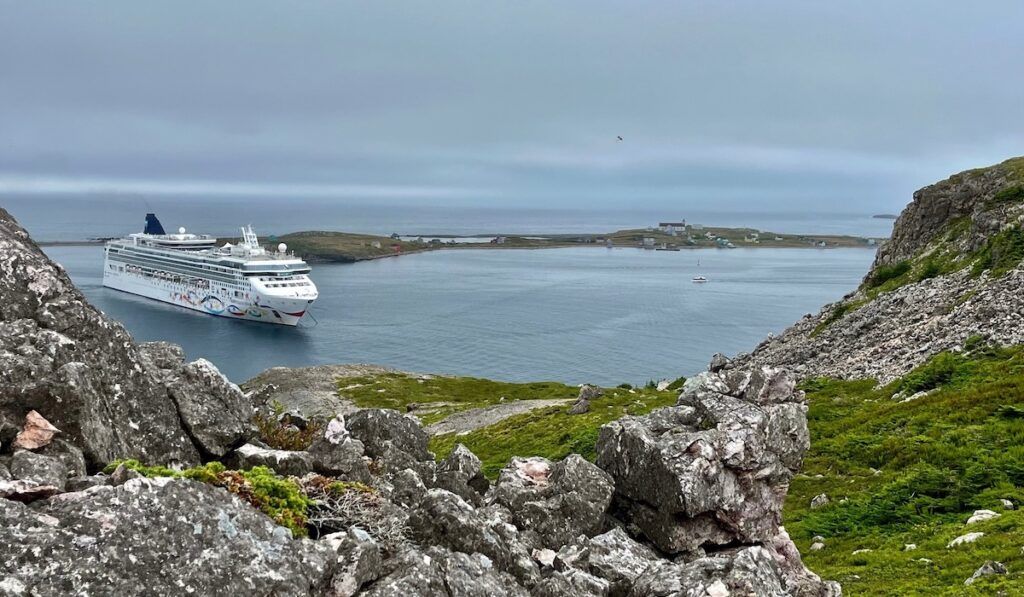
column 699, row 279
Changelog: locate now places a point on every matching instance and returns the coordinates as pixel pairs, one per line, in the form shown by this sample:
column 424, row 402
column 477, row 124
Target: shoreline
column 347, row 247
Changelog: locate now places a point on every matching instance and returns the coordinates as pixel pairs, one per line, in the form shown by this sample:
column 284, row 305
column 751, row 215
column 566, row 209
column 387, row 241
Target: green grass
column 1003, row 252
column 551, row 432
column 437, row 397
column 938, row 458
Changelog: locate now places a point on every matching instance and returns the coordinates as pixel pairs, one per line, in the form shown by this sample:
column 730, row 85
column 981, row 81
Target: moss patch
column 1003, row 252
column 938, row 458
column 279, row 498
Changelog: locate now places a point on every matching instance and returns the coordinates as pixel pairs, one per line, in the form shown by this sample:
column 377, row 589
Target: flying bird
column 619, row 137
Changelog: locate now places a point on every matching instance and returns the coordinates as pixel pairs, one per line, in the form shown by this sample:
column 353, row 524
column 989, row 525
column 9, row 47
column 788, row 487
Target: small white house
column 672, row 228
column 648, row 242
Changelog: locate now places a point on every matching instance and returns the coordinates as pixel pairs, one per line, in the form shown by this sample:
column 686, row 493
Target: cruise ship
column 242, row 281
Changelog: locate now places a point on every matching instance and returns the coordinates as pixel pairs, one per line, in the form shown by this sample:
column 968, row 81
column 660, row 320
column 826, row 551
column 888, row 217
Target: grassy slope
column 549, row 432
column 939, row 458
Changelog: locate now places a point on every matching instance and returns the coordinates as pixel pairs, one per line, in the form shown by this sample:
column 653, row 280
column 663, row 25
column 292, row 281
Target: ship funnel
column 153, row 225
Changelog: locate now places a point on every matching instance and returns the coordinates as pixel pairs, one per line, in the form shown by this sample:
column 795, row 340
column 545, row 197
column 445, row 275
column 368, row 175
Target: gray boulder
column 748, row 571
column 438, row 572
column 465, row 464
column 571, row 582
column 110, row 540
column 380, row 429
column 67, row 453
column 284, row 462
column 336, row 454
column 214, row 412
column 39, row 469
column 557, row 501
column 713, row 470
column 78, row 369
column 989, row 568
column 613, row 556
column 359, row 561
column 444, row 519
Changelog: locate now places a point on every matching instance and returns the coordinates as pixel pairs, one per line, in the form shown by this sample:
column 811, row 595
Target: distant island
column 885, row 216
column 346, row 247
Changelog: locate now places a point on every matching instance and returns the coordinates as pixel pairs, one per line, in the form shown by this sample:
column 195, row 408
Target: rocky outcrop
column 195, row 539
column 944, row 239
column 713, row 470
column 81, row 372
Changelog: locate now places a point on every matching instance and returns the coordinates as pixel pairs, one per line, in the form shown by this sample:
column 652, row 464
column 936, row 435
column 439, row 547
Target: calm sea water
column 576, row 315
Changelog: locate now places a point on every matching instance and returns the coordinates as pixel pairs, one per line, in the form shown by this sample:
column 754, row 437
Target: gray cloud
column 791, row 103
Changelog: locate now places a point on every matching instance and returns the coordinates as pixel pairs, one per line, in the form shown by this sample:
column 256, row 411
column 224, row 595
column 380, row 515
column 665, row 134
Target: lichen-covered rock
column 557, row 501
column 380, row 428
column 358, row 561
column 443, row 518
column 437, row 572
column 466, row 466
column 79, row 370
column 748, row 571
column 713, row 470
column 214, row 412
column 613, row 556
column 284, row 462
column 67, row 453
column 571, row 582
column 200, row 539
column 336, row 454
column 39, row 469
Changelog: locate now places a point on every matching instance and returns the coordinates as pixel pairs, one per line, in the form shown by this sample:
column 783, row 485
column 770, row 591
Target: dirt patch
column 469, row 420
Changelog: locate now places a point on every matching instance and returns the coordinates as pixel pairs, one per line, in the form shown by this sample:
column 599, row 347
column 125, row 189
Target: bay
column 576, row 315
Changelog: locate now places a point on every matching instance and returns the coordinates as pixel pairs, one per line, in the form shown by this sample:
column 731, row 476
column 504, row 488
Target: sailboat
column 698, row 279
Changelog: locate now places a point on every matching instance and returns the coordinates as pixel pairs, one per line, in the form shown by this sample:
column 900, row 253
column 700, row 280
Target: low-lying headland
column 320, row 246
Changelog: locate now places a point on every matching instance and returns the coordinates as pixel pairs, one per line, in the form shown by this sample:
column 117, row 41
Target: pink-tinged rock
column 37, row 432
column 26, row 491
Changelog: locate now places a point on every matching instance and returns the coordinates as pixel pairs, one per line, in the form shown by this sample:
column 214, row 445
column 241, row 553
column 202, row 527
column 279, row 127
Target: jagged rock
column 569, row 500
column 214, row 412
column 445, row 519
column 571, row 583
column 589, row 392
column 819, row 501
column 989, row 568
column 379, row 428
column 25, row 491
column 285, row 462
column 982, row 516
column 464, row 463
column 797, row 578
column 713, row 470
column 93, row 542
column 62, row 358
column 580, row 407
column 437, row 572
column 39, row 469
column 749, row 571
column 5, row 474
column 36, row 433
column 1006, row 504
column 613, row 556
column 336, row 454
column 70, row 455
column 359, row 561
column 718, row 362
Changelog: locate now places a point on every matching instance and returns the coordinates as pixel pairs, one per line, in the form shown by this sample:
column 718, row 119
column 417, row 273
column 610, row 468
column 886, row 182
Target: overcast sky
column 834, row 106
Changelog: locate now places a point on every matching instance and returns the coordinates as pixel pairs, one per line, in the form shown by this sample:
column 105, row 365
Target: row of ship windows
column 289, row 284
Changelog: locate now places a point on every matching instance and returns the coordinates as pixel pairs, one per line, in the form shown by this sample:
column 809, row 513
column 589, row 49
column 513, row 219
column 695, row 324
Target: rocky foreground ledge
column 126, row 471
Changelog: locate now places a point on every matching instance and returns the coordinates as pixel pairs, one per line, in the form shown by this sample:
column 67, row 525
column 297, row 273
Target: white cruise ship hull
column 212, row 301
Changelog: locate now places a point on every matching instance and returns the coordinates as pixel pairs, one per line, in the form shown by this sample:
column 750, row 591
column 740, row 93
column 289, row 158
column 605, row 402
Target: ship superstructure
column 241, row 281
